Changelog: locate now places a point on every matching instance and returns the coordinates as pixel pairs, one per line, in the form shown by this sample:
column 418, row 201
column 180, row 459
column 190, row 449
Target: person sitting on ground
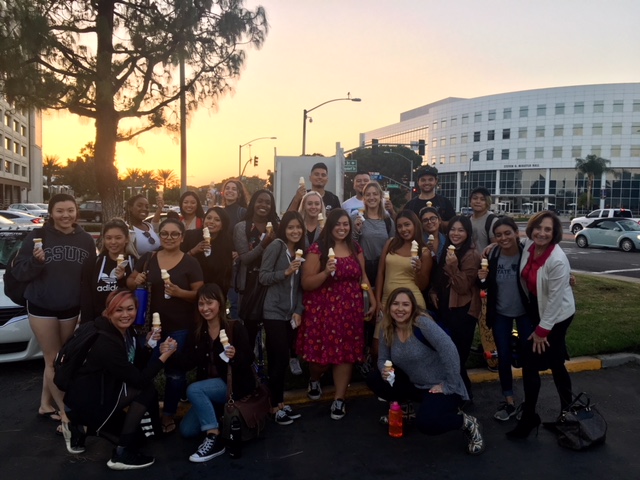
column 426, row 368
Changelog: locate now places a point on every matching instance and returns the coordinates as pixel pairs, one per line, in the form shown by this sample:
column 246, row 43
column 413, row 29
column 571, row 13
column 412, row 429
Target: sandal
column 169, row 427
column 52, row 415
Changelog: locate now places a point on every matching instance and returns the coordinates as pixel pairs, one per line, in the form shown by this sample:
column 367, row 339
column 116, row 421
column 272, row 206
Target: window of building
column 538, row 152
column 464, row 158
column 435, row 125
column 522, row 132
column 578, row 107
column 558, row 130
column 454, row 121
column 24, row 171
column 596, row 150
column 596, row 129
column 7, row 166
column 557, row 152
column 598, row 106
column 7, row 143
column 635, row 151
column 541, row 111
column 442, row 157
column 506, row 133
column 453, row 140
column 491, row 135
column 506, row 114
column 464, row 138
column 443, row 123
column 540, row 131
column 16, row 126
column 477, row 117
column 490, row 154
column 505, row 154
column 524, row 112
column 559, row 108
column 16, row 147
column 476, row 136
column 576, row 151
column 16, row 169
column 465, row 119
column 434, row 142
column 616, row 151
column 23, row 130
column 23, row 151
column 433, row 159
column 443, row 141
column 476, row 156
column 452, row 159
column 7, row 119
column 522, row 154
column 577, row 129
column 492, row 115
column 636, row 105
column 618, row 106
column 616, row 129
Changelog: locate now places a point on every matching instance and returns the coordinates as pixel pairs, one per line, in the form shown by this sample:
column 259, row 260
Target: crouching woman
column 426, row 368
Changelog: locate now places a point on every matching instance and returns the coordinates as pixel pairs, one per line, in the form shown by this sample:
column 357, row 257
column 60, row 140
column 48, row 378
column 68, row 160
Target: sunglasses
column 173, row 235
column 148, row 236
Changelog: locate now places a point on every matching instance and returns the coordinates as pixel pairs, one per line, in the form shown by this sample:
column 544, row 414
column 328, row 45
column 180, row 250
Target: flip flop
column 53, row 415
column 169, row 427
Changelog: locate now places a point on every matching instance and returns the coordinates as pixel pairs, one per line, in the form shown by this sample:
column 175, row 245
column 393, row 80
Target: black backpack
column 14, row 288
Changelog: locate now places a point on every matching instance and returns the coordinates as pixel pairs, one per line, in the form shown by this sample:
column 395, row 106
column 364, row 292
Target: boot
column 472, row 431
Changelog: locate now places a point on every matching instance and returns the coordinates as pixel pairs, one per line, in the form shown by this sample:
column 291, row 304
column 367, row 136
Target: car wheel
column 576, row 228
column 626, row 245
column 581, row 241
column 97, row 218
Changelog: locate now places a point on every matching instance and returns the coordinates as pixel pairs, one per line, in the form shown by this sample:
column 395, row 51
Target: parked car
column 579, row 223
column 17, row 341
column 43, row 205
column 608, row 232
column 21, row 218
column 30, row 208
column 90, row 211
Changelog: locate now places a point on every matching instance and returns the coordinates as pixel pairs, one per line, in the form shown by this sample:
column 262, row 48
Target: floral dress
column 333, row 322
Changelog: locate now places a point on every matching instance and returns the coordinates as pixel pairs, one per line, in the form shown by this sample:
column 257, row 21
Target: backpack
column 14, row 288
column 487, row 225
column 73, row 354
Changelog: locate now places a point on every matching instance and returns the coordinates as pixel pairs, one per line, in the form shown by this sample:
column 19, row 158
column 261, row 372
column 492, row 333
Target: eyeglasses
column 148, row 236
column 174, row 235
column 430, row 220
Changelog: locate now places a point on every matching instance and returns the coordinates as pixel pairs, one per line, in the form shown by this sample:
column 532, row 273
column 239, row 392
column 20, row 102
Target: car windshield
column 10, row 241
column 629, row 225
column 31, row 206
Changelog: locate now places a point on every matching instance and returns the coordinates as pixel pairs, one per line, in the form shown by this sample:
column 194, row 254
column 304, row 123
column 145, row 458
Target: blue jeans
column 201, row 417
column 175, row 378
column 502, row 328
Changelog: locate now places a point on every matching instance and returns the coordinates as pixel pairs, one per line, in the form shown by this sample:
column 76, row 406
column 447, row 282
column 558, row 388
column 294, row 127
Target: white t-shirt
column 352, row 205
column 146, row 241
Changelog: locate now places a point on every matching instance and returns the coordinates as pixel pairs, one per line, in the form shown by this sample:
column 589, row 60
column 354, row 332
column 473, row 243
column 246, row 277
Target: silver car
column 21, row 218
column 30, row 208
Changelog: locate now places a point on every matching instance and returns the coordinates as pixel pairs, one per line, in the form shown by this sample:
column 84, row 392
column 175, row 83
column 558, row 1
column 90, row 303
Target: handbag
column 252, row 301
column 581, row 425
column 143, row 294
column 251, row 411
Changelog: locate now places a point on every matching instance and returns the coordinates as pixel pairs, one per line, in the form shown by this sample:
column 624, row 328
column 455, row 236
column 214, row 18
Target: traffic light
column 255, row 161
column 421, row 149
column 374, row 146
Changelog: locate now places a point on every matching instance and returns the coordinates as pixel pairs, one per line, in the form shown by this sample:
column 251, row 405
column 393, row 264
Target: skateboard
column 486, row 338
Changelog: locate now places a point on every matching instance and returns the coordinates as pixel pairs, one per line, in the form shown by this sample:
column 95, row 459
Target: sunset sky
column 395, row 55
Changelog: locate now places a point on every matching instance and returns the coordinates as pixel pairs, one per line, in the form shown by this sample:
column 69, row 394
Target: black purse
column 581, row 425
column 252, row 301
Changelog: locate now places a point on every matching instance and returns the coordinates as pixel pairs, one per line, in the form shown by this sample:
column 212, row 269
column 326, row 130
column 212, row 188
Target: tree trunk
column 106, row 116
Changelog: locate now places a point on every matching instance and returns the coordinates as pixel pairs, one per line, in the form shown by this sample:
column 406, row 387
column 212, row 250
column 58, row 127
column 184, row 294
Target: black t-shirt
column 331, row 201
column 175, row 313
column 217, row 267
column 440, row 203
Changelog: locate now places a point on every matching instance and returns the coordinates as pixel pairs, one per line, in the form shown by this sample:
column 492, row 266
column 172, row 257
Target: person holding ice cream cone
column 313, row 215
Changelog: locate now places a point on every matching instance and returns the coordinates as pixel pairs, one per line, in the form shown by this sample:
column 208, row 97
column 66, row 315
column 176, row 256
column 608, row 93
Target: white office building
column 522, row 146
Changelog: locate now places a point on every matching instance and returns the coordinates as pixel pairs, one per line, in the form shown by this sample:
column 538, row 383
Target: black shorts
column 67, row 314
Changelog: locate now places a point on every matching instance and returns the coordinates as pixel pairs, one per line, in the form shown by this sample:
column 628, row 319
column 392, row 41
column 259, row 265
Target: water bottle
column 235, row 439
column 367, row 299
column 395, row 420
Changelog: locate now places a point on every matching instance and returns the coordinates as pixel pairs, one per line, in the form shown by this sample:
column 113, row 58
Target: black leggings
column 278, row 342
column 124, row 429
column 461, row 327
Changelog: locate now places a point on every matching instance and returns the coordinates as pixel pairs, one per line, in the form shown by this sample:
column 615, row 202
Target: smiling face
column 124, row 315
column 170, row 236
column 342, row 229
column 405, row 229
column 506, row 238
column 294, row 231
column 140, row 209
column 371, row 197
column 115, row 241
column 319, row 178
column 360, row 181
column 478, row 203
column 64, row 215
column 208, row 308
column 189, row 205
column 430, row 223
column 401, row 309
column 457, row 234
column 263, row 205
column 230, row 193
column 542, row 235
column 427, row 184
column 213, row 222
column 312, row 206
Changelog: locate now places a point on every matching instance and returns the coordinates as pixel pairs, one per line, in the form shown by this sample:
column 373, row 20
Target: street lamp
column 473, row 155
column 244, row 145
column 408, row 160
column 306, row 116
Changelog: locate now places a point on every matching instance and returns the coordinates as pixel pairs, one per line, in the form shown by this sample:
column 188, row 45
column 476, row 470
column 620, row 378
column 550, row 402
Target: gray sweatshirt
column 284, row 297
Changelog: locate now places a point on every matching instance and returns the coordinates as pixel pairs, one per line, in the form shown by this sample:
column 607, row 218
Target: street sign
column 350, row 166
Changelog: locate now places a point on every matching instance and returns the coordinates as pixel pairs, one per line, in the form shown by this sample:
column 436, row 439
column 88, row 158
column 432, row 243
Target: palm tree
column 166, row 177
column 50, row 168
column 592, row 166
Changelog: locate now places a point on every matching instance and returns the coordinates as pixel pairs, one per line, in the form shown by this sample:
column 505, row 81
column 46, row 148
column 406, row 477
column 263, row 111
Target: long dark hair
column 397, row 241
column 199, row 210
column 210, row 291
column 225, row 234
column 271, row 217
column 242, row 193
column 468, row 243
column 326, row 238
column 281, row 233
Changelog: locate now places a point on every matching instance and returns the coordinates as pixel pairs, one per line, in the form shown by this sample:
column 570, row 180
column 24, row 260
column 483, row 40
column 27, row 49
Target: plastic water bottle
column 395, row 420
column 235, row 439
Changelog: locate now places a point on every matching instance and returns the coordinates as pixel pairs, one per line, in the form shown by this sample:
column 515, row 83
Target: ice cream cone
column 321, row 220
column 414, row 248
column 269, row 228
column 37, row 243
column 332, row 256
column 431, row 239
column 224, row 340
column 302, row 183
column 167, row 279
column 484, row 264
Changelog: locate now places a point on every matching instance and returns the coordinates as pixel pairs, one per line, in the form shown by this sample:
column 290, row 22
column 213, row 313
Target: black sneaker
column 210, row 448
column 505, row 411
column 129, row 460
column 281, row 418
column 74, row 437
column 338, row 409
column 291, row 412
column 314, row 391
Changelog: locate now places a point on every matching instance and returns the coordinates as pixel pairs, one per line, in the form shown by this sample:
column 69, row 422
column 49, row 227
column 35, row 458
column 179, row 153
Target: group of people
column 345, row 284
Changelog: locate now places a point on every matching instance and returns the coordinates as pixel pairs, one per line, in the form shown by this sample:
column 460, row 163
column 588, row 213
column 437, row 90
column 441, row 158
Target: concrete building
column 522, row 146
column 20, row 155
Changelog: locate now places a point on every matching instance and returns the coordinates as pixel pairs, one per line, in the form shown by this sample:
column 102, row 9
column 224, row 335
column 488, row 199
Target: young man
column 355, row 203
column 319, row 177
column 482, row 219
column 427, row 178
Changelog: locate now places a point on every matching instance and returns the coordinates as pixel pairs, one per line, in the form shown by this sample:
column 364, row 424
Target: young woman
column 173, row 299
column 250, row 238
column 331, row 334
column 426, row 368
column 280, row 271
column 506, row 302
column 209, row 392
column 191, row 211
column 216, row 255
column 456, row 294
column 311, row 206
column 234, row 200
column 108, row 274
column 433, row 238
column 114, row 388
column 59, row 284
column 143, row 235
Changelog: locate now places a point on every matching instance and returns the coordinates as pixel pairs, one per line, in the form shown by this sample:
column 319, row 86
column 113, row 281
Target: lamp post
column 408, row 160
column 244, row 145
column 305, row 116
column 469, row 170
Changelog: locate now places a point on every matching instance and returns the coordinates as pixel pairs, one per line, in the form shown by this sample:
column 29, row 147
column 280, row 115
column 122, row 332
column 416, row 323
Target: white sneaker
column 294, row 366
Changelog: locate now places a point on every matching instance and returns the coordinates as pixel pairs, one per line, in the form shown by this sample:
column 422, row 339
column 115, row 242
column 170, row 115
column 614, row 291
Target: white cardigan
column 555, row 296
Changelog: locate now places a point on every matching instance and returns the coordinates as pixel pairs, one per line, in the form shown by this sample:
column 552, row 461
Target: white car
column 30, row 208
column 17, row 341
column 21, row 218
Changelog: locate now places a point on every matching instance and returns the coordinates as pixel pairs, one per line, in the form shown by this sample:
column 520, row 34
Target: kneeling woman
column 210, row 389
column 427, row 368
column 117, row 375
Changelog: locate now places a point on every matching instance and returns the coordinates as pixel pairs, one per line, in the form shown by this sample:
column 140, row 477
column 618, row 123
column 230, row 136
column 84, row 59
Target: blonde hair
column 301, row 208
column 381, row 211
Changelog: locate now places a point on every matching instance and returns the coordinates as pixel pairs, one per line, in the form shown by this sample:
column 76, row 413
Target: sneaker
column 289, row 411
column 408, row 412
column 384, row 420
column 74, row 437
column 210, row 448
column 281, row 418
column 505, row 411
column 314, row 391
column 338, row 409
column 294, row 366
column 473, row 433
column 129, row 460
